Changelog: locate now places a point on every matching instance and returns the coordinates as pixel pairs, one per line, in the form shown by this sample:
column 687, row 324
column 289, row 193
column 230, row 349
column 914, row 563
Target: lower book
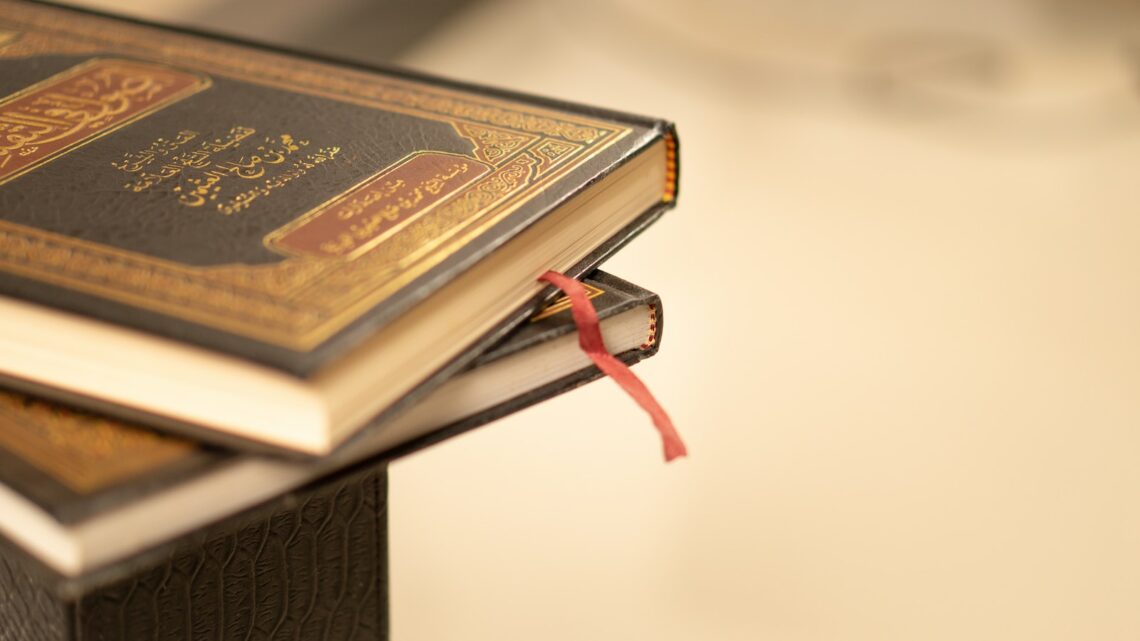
column 99, row 518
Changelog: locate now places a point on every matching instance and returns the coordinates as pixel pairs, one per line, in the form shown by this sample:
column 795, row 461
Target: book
column 310, row 564
column 81, row 492
column 268, row 250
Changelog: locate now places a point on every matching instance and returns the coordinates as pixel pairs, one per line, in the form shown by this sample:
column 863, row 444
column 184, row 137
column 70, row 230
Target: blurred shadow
column 1030, row 93
column 371, row 31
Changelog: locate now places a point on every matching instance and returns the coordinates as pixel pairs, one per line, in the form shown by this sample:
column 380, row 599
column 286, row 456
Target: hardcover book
column 90, row 497
column 259, row 247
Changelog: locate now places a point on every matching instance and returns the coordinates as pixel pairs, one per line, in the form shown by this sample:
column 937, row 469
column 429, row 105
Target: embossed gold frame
column 301, row 301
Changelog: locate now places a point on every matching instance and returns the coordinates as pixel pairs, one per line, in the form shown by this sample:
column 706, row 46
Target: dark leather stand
column 311, row 565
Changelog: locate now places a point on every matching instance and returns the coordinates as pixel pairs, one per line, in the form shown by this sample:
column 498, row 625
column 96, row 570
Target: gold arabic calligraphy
column 378, row 208
column 70, row 108
column 374, row 223
column 202, row 169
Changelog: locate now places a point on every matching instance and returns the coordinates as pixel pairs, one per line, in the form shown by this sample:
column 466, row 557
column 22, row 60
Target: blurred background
column 902, row 336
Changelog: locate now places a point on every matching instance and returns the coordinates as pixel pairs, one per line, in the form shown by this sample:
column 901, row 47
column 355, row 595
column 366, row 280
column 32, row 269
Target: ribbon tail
column 590, row 339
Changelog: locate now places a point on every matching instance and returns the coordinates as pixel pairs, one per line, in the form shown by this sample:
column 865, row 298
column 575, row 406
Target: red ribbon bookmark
column 590, row 338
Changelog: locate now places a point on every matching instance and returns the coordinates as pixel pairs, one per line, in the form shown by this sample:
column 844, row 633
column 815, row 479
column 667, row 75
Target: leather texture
column 369, row 139
column 28, row 610
column 311, row 566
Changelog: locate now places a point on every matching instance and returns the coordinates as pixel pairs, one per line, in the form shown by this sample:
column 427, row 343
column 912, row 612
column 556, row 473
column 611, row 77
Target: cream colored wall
column 902, row 340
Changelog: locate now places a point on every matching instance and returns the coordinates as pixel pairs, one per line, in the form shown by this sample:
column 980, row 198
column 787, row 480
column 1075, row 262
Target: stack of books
column 236, row 281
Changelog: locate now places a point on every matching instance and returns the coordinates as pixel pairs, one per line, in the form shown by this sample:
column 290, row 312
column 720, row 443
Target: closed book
column 269, row 250
column 86, row 497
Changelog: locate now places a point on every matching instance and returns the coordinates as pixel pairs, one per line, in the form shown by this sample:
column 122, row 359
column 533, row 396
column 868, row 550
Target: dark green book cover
column 296, row 217
column 263, row 204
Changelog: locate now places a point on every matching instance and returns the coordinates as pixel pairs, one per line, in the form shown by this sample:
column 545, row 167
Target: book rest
column 310, row 565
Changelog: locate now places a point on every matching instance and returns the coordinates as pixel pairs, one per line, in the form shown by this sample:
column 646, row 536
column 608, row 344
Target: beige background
column 901, row 339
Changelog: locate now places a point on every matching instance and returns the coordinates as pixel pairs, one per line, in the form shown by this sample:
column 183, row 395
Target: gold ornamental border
column 299, row 302
column 562, row 303
column 272, row 240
